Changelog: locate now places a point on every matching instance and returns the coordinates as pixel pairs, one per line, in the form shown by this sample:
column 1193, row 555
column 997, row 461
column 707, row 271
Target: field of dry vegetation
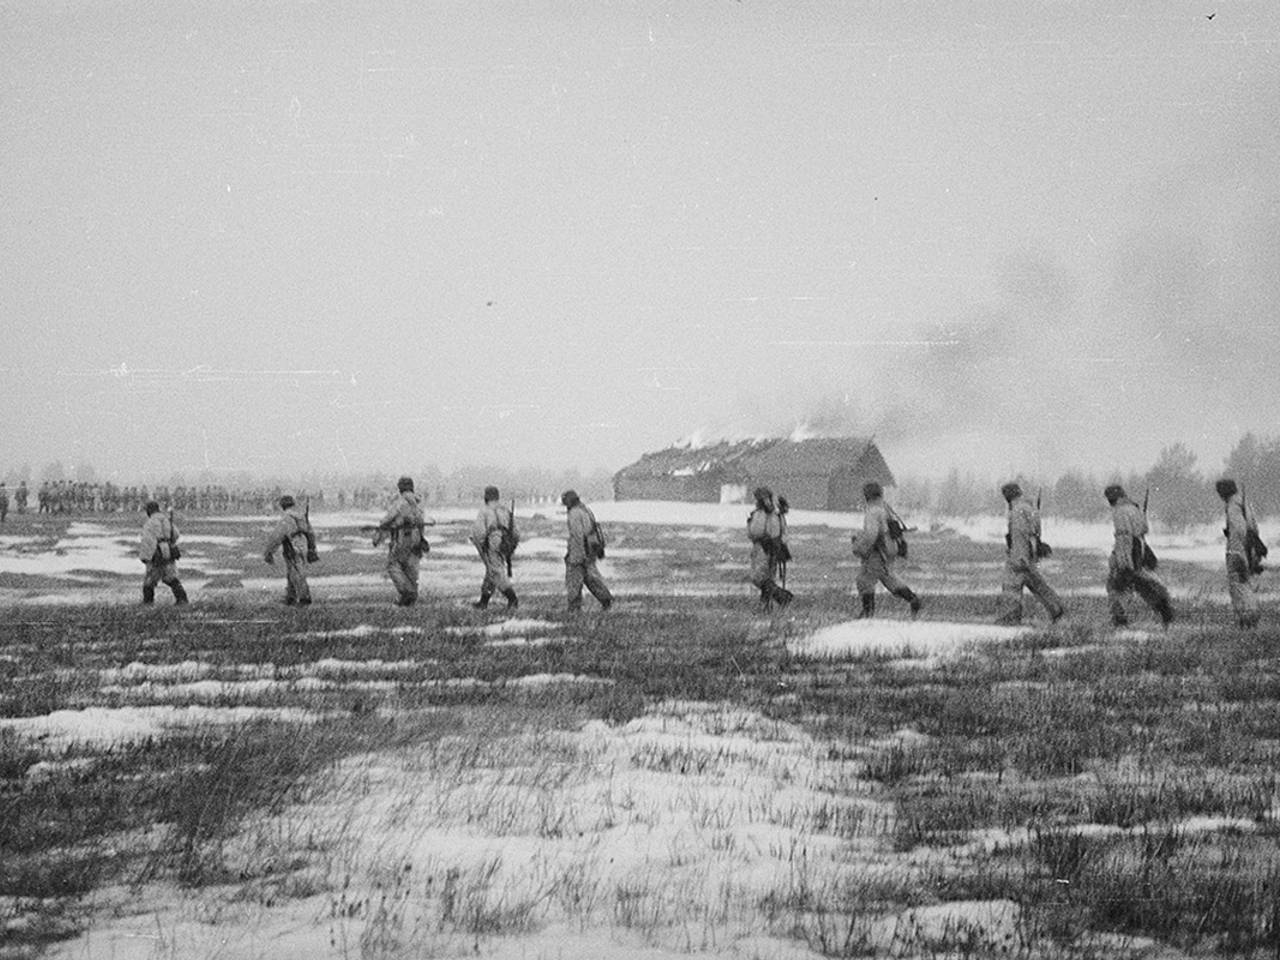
column 682, row 775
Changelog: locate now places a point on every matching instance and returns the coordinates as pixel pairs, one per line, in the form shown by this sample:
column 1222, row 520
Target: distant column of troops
column 65, row 497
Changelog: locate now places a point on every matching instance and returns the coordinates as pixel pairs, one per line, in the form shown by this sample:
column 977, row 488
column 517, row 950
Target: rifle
column 511, row 534
column 1043, row 550
column 1146, row 559
column 375, row 527
column 174, row 552
column 897, row 535
column 1254, row 549
column 312, row 555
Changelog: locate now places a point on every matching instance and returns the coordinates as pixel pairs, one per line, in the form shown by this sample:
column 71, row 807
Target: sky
column 1004, row 236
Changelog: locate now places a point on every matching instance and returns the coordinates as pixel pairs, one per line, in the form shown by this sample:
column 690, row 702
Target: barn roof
column 805, row 457
column 689, row 460
column 816, row 456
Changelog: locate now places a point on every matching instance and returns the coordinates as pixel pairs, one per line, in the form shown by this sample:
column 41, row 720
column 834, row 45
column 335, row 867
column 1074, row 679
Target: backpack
column 1144, row 558
column 510, row 538
column 1254, row 551
column 897, row 535
column 595, row 540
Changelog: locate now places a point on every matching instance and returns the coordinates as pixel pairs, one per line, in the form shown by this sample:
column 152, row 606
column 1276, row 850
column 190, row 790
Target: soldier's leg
column 900, row 589
column 486, row 587
column 595, row 583
column 1244, row 601
column 1010, row 612
column 411, row 565
column 179, row 592
column 1037, row 584
column 866, row 582
column 296, row 589
column 405, row 589
column 149, row 581
column 497, row 571
column 1155, row 594
column 1117, row 586
column 574, row 577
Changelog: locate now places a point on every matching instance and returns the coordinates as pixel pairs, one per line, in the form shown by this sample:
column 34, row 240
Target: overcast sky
column 1009, row 235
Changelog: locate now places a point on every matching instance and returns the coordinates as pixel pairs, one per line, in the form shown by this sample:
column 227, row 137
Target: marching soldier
column 1022, row 561
column 586, row 546
column 4, row 501
column 403, row 523
column 20, row 496
column 293, row 537
column 877, row 548
column 493, row 534
column 766, row 529
column 158, row 550
column 1126, row 570
column 1241, row 532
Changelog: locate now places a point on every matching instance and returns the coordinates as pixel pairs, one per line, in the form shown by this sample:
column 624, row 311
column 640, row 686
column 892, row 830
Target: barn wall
column 804, row 493
column 695, row 489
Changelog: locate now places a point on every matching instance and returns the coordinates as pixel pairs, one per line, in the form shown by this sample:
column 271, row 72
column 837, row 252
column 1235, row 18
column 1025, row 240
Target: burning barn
column 822, row 473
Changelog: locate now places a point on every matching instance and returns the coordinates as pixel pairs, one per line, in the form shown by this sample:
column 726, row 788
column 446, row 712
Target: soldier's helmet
column 762, row 494
column 151, row 507
column 1011, row 491
column 1113, row 493
column 569, row 498
column 872, row 491
column 491, row 494
column 405, row 484
column 1226, row 488
column 286, row 502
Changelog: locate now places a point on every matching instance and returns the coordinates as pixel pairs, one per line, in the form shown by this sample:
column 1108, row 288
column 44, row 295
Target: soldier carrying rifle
column 403, row 523
column 767, row 530
column 1245, row 551
column 1132, row 561
column 878, row 545
column 494, row 536
column 158, row 549
column 1024, row 549
column 296, row 541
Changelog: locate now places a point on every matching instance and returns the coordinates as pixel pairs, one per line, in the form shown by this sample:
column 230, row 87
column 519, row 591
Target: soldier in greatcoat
column 292, row 536
column 493, row 530
column 1127, row 569
column 1022, row 560
column 767, row 531
column 157, row 549
column 1242, row 536
column 585, row 547
column 403, row 524
column 875, row 546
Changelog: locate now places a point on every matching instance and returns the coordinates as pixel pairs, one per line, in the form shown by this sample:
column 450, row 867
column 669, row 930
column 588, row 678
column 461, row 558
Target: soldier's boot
column 1057, row 613
column 148, row 594
column 483, row 602
column 512, row 600
column 907, row 594
column 782, row 596
column 179, row 593
column 868, row 606
column 1165, row 610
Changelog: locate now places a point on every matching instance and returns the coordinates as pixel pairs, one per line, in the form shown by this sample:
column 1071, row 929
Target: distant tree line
column 1180, row 493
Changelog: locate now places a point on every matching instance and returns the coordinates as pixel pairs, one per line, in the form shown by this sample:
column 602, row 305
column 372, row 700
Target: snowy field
column 684, row 775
